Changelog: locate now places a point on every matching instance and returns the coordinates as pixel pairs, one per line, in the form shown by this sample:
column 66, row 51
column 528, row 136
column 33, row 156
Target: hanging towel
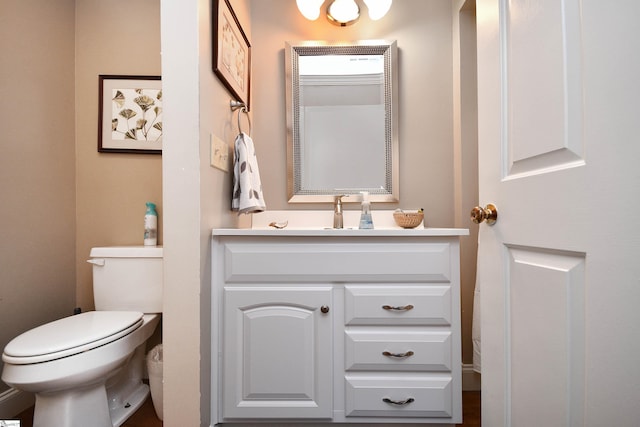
column 476, row 333
column 247, row 188
column 476, row 336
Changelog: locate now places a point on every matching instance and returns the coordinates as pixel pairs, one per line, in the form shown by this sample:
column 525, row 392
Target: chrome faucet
column 337, row 212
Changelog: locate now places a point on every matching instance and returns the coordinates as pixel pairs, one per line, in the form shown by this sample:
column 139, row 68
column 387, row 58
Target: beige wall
column 465, row 142
column 112, row 37
column 197, row 198
column 192, row 197
column 438, row 155
column 58, row 195
column 216, row 119
column 37, row 169
column 422, row 29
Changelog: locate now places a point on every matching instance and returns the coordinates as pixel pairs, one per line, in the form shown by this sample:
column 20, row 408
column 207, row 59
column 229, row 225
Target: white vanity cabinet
column 329, row 326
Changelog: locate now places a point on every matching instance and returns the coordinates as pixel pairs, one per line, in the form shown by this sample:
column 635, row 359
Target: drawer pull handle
column 392, row 308
column 398, row 402
column 398, row 355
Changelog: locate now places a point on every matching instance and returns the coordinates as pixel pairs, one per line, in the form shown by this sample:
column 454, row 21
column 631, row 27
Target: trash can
column 154, row 367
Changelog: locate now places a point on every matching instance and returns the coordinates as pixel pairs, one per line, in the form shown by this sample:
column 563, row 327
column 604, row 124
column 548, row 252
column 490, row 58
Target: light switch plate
column 219, row 153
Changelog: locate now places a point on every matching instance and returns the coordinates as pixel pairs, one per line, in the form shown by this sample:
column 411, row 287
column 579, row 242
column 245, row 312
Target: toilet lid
column 71, row 335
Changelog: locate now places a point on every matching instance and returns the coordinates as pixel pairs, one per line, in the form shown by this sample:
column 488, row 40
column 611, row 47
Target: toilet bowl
column 87, row 369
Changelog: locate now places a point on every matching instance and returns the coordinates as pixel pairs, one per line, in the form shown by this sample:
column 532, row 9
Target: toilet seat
column 70, row 335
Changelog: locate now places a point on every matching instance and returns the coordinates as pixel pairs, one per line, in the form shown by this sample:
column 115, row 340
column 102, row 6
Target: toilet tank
column 127, row 278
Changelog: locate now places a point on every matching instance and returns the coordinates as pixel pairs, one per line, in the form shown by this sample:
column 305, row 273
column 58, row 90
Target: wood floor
column 470, row 409
column 146, row 415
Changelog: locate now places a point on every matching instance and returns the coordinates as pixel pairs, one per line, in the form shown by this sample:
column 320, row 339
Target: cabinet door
column 277, row 353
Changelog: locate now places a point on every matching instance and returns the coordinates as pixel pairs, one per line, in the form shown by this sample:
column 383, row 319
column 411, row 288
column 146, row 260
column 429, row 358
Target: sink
column 322, row 220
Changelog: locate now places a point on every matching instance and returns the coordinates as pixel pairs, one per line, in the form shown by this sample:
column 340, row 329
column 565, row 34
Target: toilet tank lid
column 127, row 252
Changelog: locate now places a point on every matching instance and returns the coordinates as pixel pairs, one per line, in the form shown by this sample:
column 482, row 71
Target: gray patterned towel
column 247, row 188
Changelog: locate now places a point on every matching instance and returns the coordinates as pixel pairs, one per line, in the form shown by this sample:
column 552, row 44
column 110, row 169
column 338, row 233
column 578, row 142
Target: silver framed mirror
column 342, row 120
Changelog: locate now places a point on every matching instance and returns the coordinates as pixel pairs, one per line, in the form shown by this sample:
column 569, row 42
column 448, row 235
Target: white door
column 559, row 155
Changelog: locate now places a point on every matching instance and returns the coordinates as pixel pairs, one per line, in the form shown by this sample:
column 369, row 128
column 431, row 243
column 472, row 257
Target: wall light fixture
column 343, row 12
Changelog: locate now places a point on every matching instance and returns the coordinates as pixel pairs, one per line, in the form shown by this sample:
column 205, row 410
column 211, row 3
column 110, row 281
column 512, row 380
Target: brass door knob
column 488, row 213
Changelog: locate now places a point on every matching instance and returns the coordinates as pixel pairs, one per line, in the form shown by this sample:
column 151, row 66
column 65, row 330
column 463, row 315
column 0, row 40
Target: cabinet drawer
column 413, row 396
column 299, row 261
column 397, row 305
column 398, row 351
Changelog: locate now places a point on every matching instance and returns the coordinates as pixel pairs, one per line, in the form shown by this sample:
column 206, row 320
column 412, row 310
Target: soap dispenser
column 366, row 222
column 337, row 212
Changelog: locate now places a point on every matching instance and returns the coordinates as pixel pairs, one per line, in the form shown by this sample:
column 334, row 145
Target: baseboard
column 13, row 402
column 470, row 378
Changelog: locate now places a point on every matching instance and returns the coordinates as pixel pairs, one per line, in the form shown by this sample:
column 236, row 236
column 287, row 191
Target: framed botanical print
column 130, row 114
column 231, row 52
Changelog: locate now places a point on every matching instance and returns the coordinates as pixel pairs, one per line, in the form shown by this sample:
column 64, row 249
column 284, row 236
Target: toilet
column 87, row 369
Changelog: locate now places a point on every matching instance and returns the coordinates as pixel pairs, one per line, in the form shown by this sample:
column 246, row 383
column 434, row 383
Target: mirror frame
column 293, row 51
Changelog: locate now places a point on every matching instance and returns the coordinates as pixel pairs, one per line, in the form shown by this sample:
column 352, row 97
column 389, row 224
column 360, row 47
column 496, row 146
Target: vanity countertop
column 345, row 232
column 317, row 223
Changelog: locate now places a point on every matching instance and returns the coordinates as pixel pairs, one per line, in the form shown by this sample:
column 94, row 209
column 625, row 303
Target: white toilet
column 86, row 370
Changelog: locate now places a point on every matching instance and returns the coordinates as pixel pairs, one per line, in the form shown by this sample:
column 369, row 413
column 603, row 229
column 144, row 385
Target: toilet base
column 125, row 391
column 120, row 414
column 80, row 407
column 85, row 407
column 101, row 404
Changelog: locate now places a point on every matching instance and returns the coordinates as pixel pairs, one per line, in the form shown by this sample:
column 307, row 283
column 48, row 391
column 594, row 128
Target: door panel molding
column 545, row 312
column 543, row 115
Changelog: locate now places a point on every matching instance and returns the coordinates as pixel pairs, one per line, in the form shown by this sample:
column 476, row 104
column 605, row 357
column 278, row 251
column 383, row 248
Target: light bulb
column 343, row 12
column 310, row 9
column 378, row 8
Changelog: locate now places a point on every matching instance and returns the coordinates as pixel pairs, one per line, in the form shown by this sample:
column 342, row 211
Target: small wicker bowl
column 408, row 219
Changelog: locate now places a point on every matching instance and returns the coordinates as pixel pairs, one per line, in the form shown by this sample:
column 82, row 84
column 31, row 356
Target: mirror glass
column 341, row 121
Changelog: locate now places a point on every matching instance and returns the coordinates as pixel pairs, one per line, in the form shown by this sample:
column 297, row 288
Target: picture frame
column 130, row 114
column 231, row 52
